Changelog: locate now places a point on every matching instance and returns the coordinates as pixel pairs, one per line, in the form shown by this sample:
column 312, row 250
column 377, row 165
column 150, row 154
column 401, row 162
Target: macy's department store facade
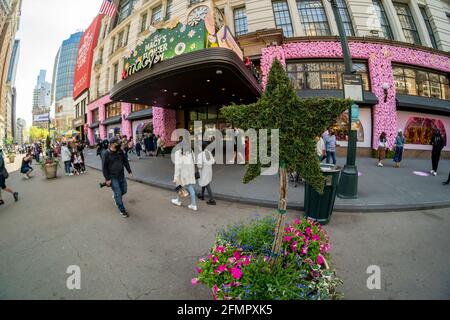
column 405, row 87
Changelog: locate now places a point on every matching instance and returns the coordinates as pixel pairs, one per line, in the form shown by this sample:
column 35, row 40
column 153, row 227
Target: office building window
column 382, row 17
column 282, row 17
column 95, row 115
column 240, row 21
column 429, row 27
column 116, row 71
column 144, row 22
column 313, row 17
column 169, row 9
column 407, row 23
column 192, row 2
column 156, row 14
column 345, row 16
column 323, row 75
column 120, row 39
column 420, row 82
column 125, row 9
column 135, row 107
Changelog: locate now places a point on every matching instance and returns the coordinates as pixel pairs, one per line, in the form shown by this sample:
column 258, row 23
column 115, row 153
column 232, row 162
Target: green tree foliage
column 299, row 121
column 37, row 134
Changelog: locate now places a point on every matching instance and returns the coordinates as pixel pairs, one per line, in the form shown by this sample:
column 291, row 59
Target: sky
column 44, row 24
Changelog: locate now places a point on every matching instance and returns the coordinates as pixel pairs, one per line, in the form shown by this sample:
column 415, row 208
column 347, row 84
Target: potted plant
column 49, row 164
column 11, row 154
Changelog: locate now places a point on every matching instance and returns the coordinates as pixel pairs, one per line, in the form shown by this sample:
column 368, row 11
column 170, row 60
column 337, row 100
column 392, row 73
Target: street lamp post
column 348, row 184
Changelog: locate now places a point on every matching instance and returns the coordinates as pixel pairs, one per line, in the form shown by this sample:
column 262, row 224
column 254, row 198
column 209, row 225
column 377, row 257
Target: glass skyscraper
column 64, row 67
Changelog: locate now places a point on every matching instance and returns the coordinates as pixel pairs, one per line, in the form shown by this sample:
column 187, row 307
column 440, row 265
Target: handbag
column 182, row 192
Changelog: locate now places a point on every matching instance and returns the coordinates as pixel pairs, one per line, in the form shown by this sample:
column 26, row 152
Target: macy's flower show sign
column 166, row 43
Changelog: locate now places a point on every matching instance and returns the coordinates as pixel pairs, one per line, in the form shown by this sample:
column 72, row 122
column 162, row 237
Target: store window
column 407, row 23
column 323, row 75
column 192, row 2
column 384, row 22
column 139, row 107
column 95, row 117
column 429, row 27
column 282, row 17
column 421, row 82
column 341, row 125
column 116, row 70
column 240, row 21
column 419, row 130
column 113, row 110
column 313, row 17
column 210, row 117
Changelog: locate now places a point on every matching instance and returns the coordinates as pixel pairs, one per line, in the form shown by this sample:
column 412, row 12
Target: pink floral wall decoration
column 379, row 58
column 164, row 123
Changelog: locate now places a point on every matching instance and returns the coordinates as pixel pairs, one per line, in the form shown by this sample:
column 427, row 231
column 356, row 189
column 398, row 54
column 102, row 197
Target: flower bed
column 239, row 267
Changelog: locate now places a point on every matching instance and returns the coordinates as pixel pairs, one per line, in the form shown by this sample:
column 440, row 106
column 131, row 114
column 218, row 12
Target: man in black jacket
column 113, row 163
column 437, row 142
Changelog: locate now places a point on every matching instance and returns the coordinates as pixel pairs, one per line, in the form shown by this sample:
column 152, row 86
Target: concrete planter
column 12, row 158
column 50, row 170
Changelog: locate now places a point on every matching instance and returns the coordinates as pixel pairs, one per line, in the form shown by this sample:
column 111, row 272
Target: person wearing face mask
column 437, row 142
column 113, row 164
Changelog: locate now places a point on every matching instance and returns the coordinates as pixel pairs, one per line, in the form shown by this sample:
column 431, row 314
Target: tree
column 299, row 121
column 37, row 134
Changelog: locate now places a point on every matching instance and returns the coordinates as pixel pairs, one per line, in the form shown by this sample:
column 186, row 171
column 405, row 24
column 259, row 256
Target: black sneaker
column 123, row 213
column 445, row 182
column 211, row 202
column 16, row 196
column 200, row 196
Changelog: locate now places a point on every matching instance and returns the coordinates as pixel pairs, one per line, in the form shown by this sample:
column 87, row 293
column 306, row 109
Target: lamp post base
column 348, row 184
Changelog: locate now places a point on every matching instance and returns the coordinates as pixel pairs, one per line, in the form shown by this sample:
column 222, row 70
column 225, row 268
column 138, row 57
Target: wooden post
column 282, row 204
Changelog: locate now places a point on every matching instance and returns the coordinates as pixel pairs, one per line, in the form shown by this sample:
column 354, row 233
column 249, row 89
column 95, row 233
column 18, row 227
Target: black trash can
column 319, row 207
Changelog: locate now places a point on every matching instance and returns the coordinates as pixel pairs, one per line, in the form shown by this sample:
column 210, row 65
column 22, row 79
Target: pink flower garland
column 379, row 57
column 164, row 123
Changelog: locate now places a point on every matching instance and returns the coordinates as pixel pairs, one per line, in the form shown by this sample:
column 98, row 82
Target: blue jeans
column 331, row 154
column 398, row 154
column 119, row 187
column 190, row 188
column 67, row 166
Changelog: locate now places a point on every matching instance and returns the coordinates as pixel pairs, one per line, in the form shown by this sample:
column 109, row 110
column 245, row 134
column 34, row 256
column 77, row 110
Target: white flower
column 183, row 28
column 191, row 33
column 179, row 48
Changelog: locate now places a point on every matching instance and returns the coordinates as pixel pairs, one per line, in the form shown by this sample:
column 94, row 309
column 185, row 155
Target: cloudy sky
column 44, row 25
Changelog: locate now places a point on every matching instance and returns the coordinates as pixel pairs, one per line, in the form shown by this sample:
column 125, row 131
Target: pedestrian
column 149, row 144
column 113, row 164
column 320, row 149
column 437, row 142
column 159, row 146
column 138, row 148
column 26, row 168
column 76, row 161
column 330, row 146
column 130, row 145
column 382, row 141
column 448, row 180
column 81, row 155
column 399, row 144
column 3, row 176
column 205, row 174
column 184, row 174
column 66, row 158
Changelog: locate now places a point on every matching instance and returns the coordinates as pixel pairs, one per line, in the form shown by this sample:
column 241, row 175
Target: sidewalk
column 379, row 189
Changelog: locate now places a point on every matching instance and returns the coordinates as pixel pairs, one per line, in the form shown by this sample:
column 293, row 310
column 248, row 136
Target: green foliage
column 299, row 121
column 9, row 141
column 37, row 134
column 256, row 236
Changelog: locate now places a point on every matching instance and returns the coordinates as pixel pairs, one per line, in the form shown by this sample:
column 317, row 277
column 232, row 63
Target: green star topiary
column 299, row 121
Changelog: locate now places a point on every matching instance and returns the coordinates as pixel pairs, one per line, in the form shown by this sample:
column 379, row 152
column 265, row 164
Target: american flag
column 108, row 8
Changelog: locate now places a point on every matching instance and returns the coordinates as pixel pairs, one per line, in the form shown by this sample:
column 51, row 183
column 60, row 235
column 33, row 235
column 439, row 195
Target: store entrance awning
column 214, row 76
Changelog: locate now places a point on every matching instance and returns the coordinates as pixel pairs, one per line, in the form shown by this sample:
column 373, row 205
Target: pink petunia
column 320, row 259
column 246, row 260
column 304, row 251
column 222, row 268
column 236, row 273
column 287, row 238
column 215, row 259
column 308, row 231
column 316, row 237
column 237, row 255
column 220, row 249
column 294, row 246
column 199, row 270
column 297, row 221
column 194, row 281
column 232, row 260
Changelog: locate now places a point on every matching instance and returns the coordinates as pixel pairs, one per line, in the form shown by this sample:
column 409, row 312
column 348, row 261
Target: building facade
column 41, row 101
column 9, row 24
column 400, row 49
column 12, row 93
column 62, row 83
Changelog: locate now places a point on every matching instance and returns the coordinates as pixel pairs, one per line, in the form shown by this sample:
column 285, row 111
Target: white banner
column 41, row 117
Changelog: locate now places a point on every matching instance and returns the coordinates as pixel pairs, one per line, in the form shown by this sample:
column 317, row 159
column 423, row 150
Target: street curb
column 299, row 207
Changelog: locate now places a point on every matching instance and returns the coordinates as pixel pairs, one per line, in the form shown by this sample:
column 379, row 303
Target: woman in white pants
column 184, row 175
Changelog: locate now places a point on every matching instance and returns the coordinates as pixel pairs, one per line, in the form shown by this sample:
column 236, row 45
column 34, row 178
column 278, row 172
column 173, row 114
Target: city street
column 152, row 254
